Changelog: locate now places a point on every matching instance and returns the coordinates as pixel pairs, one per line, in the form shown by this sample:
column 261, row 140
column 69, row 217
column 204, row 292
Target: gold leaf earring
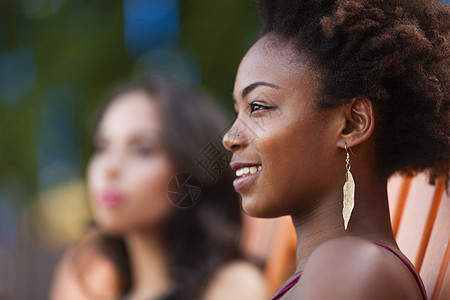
column 349, row 191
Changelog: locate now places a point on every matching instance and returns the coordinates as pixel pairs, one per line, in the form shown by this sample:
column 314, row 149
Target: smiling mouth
column 248, row 170
column 245, row 176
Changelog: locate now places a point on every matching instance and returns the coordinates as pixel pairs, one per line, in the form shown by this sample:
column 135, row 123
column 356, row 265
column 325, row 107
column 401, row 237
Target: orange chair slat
column 398, row 188
column 431, row 218
column 437, row 246
column 414, row 218
column 442, row 288
column 281, row 259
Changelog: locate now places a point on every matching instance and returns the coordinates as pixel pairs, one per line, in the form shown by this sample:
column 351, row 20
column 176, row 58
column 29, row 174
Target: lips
column 236, row 165
column 246, row 172
column 110, row 199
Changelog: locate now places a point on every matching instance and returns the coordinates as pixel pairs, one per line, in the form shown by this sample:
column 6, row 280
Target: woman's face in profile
column 281, row 129
column 129, row 171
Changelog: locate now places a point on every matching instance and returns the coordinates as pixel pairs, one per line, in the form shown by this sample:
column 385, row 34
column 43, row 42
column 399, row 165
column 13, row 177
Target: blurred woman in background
column 143, row 246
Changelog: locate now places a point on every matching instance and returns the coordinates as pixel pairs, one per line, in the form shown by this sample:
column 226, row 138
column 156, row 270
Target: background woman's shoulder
column 239, row 280
column 84, row 272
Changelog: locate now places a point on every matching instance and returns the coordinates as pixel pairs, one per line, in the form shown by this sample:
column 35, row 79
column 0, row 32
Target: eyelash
column 252, row 108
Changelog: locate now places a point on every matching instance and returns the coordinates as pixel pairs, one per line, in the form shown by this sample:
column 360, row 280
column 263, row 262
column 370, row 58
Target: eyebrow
column 254, row 85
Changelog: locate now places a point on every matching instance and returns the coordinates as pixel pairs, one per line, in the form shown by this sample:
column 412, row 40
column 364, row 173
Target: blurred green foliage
column 79, row 44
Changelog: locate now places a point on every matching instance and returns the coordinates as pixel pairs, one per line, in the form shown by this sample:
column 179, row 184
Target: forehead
column 274, row 60
column 131, row 112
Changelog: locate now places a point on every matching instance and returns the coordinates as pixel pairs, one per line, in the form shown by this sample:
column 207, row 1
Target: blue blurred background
column 57, row 60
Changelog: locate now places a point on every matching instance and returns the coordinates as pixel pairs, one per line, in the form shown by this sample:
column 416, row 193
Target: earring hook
column 347, row 149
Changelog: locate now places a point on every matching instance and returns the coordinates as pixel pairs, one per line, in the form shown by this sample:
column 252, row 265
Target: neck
column 148, row 265
column 369, row 220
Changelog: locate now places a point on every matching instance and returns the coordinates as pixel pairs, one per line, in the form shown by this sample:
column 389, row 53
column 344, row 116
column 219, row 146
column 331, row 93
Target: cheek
column 146, row 189
column 143, row 184
column 292, row 150
column 94, row 178
column 109, row 219
column 93, row 172
column 293, row 156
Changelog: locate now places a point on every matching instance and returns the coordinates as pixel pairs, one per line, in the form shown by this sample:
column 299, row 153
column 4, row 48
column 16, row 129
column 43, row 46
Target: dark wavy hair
column 202, row 238
column 394, row 52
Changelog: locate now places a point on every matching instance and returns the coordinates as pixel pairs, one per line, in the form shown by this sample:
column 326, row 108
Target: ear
column 358, row 123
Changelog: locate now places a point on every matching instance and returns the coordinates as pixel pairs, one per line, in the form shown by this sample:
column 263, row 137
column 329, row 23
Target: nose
column 112, row 166
column 236, row 137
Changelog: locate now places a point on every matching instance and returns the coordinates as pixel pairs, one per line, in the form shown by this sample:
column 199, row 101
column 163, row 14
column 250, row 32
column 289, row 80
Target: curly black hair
column 394, row 52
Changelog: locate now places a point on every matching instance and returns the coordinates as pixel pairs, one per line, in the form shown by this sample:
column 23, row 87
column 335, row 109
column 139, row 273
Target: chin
column 113, row 233
column 255, row 208
column 111, row 228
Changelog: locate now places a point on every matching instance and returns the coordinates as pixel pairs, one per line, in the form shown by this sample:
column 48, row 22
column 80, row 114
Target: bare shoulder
column 354, row 268
column 80, row 276
column 237, row 280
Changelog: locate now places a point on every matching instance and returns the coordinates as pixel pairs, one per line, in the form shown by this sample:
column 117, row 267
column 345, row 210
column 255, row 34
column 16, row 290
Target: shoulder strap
column 286, row 288
column 411, row 269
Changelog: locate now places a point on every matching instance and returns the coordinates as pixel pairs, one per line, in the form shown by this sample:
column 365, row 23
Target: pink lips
column 110, row 199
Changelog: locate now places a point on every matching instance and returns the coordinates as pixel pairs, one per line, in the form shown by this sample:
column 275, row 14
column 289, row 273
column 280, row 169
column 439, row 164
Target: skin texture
column 130, row 161
column 301, row 149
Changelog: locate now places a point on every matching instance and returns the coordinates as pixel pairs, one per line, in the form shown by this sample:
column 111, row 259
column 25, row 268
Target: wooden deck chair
column 420, row 215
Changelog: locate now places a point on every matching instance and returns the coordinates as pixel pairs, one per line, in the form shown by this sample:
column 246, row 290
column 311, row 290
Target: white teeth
column 246, row 170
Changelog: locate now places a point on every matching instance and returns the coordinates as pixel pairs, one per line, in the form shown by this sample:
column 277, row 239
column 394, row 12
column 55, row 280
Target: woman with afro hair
column 334, row 98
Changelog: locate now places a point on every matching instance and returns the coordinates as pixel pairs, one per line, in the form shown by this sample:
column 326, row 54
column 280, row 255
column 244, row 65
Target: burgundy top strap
column 286, row 288
column 411, row 269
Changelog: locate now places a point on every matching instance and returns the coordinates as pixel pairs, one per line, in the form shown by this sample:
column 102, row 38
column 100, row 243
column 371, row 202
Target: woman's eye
column 255, row 107
column 143, row 151
column 99, row 148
